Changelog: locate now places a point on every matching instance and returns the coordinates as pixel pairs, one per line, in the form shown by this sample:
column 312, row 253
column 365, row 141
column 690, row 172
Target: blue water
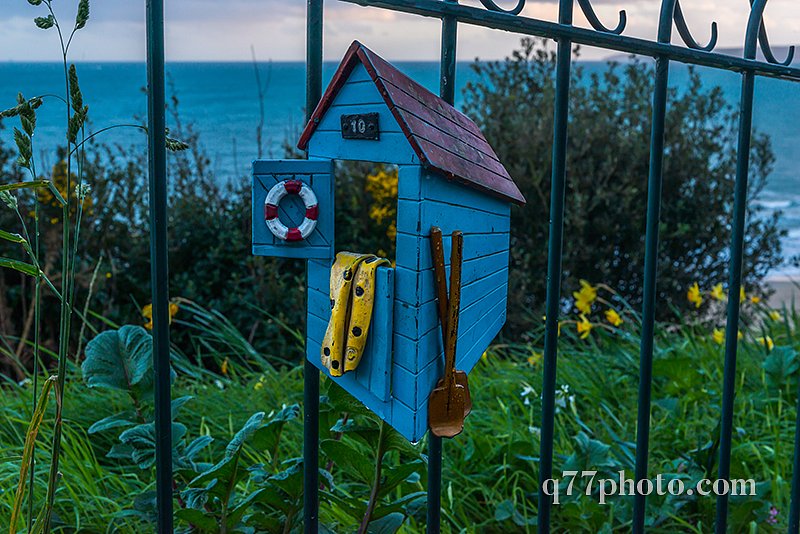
column 221, row 100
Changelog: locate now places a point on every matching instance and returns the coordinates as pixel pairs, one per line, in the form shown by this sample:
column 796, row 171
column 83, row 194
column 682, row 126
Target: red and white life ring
column 274, row 197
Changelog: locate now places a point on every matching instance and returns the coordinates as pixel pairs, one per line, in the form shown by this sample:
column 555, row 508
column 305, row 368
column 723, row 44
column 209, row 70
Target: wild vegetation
column 74, row 326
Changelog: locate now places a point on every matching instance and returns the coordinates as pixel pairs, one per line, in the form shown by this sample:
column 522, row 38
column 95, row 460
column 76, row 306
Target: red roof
column 444, row 139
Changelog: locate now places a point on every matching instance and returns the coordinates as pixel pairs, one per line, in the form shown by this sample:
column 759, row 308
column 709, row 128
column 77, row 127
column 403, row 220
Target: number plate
column 360, row 126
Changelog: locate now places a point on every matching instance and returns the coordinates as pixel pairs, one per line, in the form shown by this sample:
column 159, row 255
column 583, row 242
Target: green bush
column 607, row 170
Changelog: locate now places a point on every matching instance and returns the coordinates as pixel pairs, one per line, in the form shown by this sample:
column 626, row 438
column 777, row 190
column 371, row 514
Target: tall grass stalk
column 27, row 458
column 66, row 287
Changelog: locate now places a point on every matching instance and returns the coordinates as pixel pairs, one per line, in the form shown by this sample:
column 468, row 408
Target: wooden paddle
column 440, row 276
column 446, row 403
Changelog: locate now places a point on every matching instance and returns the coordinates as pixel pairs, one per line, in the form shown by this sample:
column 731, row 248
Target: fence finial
column 757, row 33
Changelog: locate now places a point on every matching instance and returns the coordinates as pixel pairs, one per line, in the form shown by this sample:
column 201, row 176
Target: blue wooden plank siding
column 405, row 355
column 359, row 95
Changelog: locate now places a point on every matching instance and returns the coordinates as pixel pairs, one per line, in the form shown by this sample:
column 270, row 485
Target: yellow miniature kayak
column 352, row 293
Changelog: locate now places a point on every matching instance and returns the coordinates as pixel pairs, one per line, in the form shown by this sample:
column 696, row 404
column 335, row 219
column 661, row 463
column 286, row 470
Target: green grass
column 490, row 477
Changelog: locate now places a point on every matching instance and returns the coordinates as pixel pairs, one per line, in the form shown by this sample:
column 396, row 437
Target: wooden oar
column 440, row 276
column 446, row 403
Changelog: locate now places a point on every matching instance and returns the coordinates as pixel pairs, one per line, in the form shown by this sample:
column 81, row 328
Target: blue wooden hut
column 449, row 177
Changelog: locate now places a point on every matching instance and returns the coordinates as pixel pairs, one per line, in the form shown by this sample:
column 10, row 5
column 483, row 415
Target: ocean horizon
column 220, row 100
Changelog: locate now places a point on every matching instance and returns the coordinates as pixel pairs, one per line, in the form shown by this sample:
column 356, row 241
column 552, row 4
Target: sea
column 221, row 101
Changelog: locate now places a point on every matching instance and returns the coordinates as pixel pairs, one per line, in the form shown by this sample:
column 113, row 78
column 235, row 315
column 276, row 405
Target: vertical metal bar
column 794, row 508
column 650, row 274
column 734, row 285
column 311, row 373
column 555, row 248
column 654, row 186
column 434, row 516
column 447, row 90
column 159, row 273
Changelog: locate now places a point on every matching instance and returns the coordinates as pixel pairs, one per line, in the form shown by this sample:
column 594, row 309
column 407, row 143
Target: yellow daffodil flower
column 717, row 293
column 775, row 315
column 535, row 358
column 613, row 317
column 694, row 296
column 224, row 367
column 766, row 342
column 755, row 299
column 584, row 327
column 147, row 313
column 739, row 335
column 718, row 336
column 742, row 295
column 585, row 297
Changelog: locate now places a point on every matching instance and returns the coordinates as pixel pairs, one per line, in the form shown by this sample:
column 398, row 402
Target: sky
column 225, row 30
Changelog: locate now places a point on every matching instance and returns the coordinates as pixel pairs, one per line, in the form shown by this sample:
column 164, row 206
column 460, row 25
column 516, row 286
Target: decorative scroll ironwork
column 491, row 6
column 591, row 16
column 757, row 33
column 686, row 35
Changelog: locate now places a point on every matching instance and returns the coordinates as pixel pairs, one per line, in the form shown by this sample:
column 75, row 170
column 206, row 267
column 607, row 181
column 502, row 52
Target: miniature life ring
column 274, row 197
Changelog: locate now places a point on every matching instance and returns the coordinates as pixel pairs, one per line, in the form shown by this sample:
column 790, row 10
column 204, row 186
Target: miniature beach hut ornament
column 449, row 178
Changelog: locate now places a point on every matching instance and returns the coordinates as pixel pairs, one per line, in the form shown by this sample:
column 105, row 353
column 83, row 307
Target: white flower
column 82, row 190
column 536, row 431
column 219, row 384
column 525, row 394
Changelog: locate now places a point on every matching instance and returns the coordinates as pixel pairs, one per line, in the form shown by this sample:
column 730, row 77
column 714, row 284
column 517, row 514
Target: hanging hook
column 686, row 35
column 591, row 16
column 757, row 31
column 491, row 6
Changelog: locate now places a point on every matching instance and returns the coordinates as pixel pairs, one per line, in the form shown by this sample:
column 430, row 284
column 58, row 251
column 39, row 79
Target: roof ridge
column 454, row 162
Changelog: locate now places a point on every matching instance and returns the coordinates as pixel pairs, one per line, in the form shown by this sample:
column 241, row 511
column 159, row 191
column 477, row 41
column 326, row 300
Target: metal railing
column 494, row 16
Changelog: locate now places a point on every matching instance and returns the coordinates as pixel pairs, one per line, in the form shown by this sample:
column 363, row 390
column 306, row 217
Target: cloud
column 224, row 30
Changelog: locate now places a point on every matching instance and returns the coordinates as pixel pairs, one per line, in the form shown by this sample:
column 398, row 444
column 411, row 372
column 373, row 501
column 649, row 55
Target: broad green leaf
column 112, row 421
column 197, row 497
column 120, row 451
column 397, row 474
column 239, row 439
column 119, row 359
column 267, row 437
column 386, row 525
column 350, row 459
column 206, row 522
column 779, row 367
column 236, row 513
column 177, row 404
column 197, row 445
column 589, row 454
column 21, row 266
column 142, row 439
column 290, row 480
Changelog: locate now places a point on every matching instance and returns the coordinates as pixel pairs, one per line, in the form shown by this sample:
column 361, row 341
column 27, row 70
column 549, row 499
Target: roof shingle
column 444, row 139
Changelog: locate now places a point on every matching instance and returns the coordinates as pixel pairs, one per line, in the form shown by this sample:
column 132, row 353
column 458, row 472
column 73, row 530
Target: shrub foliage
column 607, row 171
